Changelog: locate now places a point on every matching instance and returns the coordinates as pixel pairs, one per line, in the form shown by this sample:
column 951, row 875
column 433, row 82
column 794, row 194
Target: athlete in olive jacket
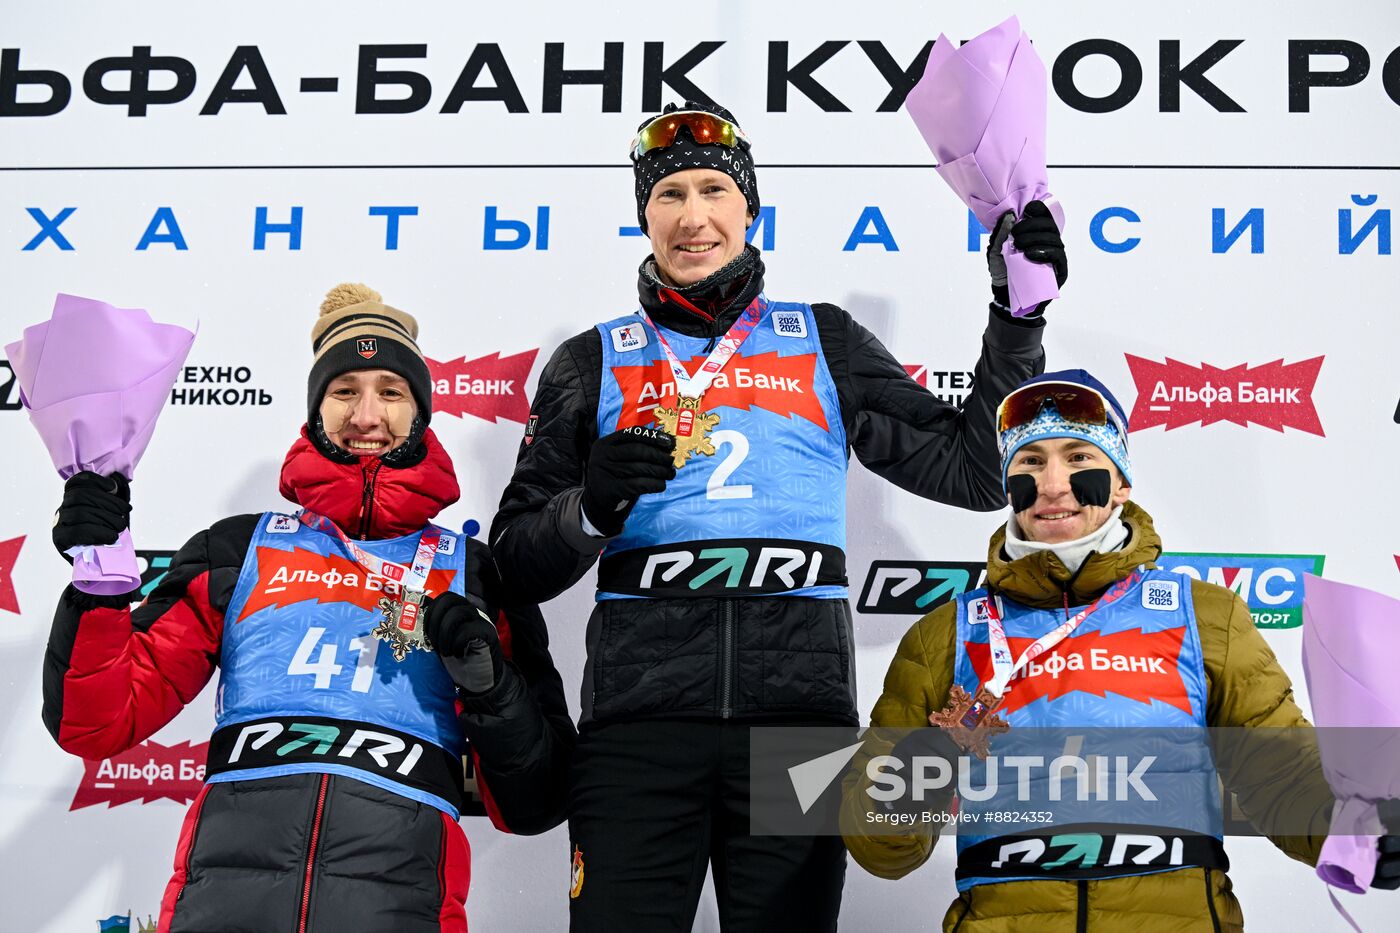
column 1034, row 565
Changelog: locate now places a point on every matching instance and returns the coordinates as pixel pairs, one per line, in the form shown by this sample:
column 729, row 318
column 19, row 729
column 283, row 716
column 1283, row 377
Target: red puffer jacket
column 311, row 852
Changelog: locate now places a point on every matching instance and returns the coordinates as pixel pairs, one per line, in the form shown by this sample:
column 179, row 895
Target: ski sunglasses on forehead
column 707, row 129
column 1073, row 402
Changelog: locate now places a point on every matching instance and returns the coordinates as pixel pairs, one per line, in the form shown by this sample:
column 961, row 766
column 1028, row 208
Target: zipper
column 367, row 500
column 311, row 853
column 1210, row 902
column 194, row 838
column 1081, row 922
column 727, row 658
column 1065, row 594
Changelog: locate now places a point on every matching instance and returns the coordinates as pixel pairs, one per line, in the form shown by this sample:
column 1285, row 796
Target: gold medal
column 971, row 722
column 690, row 426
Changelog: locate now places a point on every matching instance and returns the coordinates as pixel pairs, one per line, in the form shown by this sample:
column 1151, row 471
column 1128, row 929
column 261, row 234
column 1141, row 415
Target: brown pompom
column 346, row 294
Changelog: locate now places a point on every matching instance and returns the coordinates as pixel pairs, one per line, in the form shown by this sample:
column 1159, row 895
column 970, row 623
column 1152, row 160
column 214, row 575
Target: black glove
column 1036, row 235
column 463, row 636
column 622, row 466
column 928, row 743
column 1388, row 866
column 95, row 510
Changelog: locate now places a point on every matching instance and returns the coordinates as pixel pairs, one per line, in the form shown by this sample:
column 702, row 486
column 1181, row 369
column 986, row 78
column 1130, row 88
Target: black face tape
column 1021, row 487
column 1091, row 487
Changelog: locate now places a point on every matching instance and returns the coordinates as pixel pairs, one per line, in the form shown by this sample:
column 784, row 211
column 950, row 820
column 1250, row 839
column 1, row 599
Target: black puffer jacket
column 780, row 657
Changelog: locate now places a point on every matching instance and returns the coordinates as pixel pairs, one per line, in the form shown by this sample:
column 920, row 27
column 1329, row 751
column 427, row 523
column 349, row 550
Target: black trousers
column 652, row 803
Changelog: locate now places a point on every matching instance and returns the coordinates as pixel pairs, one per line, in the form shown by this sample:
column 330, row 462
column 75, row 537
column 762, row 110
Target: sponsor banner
column 9, row 553
column 146, row 773
column 1271, row 584
column 916, row 587
column 490, row 387
column 782, row 385
column 1275, row 395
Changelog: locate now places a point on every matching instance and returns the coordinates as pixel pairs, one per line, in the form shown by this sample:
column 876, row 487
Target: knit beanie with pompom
column 357, row 330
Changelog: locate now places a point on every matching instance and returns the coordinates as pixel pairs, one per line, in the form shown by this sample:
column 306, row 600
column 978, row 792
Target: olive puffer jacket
column 1245, row 688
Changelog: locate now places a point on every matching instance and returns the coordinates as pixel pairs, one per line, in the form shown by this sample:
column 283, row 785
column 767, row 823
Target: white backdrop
column 75, row 851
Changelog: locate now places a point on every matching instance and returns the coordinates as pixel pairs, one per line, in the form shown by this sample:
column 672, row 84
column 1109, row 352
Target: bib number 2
column 738, row 445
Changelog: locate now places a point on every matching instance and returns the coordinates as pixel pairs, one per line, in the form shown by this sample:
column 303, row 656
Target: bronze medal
column 971, row 721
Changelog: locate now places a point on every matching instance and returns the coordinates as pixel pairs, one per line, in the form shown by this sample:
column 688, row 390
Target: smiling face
column 368, row 412
column 696, row 221
column 1057, row 516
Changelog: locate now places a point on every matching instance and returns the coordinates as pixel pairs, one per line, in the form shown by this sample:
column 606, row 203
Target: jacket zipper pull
column 1065, row 594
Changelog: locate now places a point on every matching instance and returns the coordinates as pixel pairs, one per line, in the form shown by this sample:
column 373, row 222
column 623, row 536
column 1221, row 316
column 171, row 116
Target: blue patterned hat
column 1111, row 437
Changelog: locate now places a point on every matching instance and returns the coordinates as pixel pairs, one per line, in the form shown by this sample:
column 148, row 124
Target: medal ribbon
column 690, row 386
column 1004, row 670
column 410, row 577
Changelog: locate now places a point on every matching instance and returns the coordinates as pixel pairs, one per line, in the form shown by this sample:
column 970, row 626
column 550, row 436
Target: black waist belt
column 722, row 567
column 369, row 747
column 1080, row 852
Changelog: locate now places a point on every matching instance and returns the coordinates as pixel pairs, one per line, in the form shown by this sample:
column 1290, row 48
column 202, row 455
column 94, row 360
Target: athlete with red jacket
column 335, row 773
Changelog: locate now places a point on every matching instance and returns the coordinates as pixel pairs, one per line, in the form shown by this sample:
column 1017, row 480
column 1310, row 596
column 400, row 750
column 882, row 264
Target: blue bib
column 1124, row 695
column 766, row 513
column 305, row 687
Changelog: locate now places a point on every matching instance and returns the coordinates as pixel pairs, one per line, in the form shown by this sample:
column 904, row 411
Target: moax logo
column 1271, row 584
column 368, row 347
column 916, row 587
column 322, row 739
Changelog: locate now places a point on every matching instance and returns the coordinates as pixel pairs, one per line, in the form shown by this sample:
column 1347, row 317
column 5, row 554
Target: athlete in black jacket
column 660, row 778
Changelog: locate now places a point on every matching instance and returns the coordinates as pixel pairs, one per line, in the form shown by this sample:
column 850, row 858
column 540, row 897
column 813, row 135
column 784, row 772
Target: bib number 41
column 324, row 667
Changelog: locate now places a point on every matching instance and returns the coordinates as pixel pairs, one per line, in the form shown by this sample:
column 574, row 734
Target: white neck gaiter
column 1108, row 537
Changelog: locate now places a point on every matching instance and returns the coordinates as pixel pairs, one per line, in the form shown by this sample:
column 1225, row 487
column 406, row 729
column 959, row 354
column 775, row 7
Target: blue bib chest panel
column 304, row 686
column 766, row 513
column 1114, row 774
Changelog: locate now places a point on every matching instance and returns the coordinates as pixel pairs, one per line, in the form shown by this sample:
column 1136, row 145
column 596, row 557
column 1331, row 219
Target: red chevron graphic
column 9, row 553
column 780, row 384
column 1121, row 648
column 1175, row 394
column 287, row 577
column 488, row 387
